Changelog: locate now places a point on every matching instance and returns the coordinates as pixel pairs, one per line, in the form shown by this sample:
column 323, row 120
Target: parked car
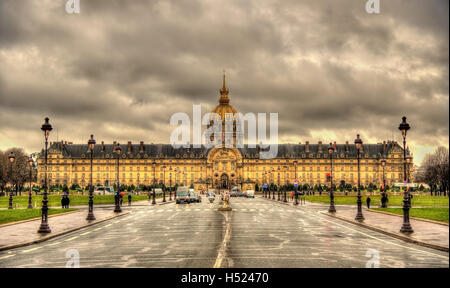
column 194, row 197
column 210, row 194
column 250, row 193
column 158, row 191
column 101, row 190
column 198, row 197
column 183, row 195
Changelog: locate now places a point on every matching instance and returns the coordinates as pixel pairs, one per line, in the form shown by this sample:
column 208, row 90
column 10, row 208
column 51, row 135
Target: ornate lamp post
column 117, row 196
column 30, row 164
column 296, row 183
column 170, row 191
column 164, row 182
column 265, row 182
column 90, row 216
column 286, row 184
column 406, row 227
column 45, row 228
column 384, row 194
column 358, row 144
column 278, row 186
column 271, row 183
column 11, row 158
column 332, row 209
column 154, row 182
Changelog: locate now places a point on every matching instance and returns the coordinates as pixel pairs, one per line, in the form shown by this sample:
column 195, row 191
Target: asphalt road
column 257, row 233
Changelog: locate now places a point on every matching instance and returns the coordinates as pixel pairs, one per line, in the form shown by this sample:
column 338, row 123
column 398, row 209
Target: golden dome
column 224, row 106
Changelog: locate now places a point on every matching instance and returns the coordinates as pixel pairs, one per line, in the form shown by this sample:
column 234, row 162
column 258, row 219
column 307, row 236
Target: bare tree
column 20, row 169
column 436, row 169
column 3, row 174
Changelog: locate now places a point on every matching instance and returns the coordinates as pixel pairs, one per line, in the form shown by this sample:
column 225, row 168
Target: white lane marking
column 73, row 238
column 86, row 233
column 53, row 244
column 32, row 249
column 170, row 210
column 107, row 225
column 7, row 256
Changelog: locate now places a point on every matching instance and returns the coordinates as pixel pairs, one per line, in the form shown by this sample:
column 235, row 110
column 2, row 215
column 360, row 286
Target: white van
column 102, row 190
column 250, row 193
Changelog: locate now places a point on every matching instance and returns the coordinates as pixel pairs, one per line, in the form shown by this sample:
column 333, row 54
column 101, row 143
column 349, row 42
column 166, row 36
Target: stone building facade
column 221, row 167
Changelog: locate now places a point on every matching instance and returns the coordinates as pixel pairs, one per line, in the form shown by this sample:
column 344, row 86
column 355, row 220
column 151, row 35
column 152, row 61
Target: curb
column 281, row 202
column 36, row 218
column 415, row 218
column 392, row 234
column 45, row 238
column 165, row 203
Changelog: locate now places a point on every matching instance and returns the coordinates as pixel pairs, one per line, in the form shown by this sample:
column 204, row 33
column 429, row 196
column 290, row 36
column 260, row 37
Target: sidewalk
column 427, row 234
column 25, row 233
column 125, row 204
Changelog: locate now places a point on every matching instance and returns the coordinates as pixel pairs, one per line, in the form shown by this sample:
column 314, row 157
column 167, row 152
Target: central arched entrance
column 224, row 181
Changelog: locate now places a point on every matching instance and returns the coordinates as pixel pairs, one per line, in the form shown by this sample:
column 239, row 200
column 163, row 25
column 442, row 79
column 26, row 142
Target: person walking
column 129, row 199
column 368, row 202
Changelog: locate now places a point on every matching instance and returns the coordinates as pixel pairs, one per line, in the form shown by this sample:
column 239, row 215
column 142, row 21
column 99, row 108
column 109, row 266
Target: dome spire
column 224, row 92
column 224, row 86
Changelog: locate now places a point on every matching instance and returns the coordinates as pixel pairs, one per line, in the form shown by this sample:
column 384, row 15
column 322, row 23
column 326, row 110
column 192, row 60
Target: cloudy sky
column 120, row 69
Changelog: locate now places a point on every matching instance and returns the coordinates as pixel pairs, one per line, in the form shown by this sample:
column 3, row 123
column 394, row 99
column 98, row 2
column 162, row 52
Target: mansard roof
column 285, row 151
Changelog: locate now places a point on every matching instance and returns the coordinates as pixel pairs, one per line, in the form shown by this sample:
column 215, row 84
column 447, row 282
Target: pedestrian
column 292, row 196
column 368, row 202
column 63, row 202
column 129, row 199
column 121, row 200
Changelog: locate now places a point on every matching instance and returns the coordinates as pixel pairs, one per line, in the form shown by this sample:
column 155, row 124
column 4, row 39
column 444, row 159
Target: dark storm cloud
column 120, row 69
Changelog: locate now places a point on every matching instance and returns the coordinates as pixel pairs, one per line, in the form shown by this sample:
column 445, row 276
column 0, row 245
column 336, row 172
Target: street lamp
column 11, row 158
column 358, row 144
column 30, row 164
column 90, row 216
column 406, row 227
column 278, row 186
column 296, row 183
column 117, row 196
column 271, row 183
column 286, row 184
column 45, row 228
column 265, row 182
column 384, row 194
column 170, row 190
column 332, row 209
column 154, row 182
column 164, row 189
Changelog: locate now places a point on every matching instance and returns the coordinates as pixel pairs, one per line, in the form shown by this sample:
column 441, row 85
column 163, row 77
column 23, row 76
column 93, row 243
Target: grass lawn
column 75, row 199
column 417, row 200
column 438, row 214
column 13, row 215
